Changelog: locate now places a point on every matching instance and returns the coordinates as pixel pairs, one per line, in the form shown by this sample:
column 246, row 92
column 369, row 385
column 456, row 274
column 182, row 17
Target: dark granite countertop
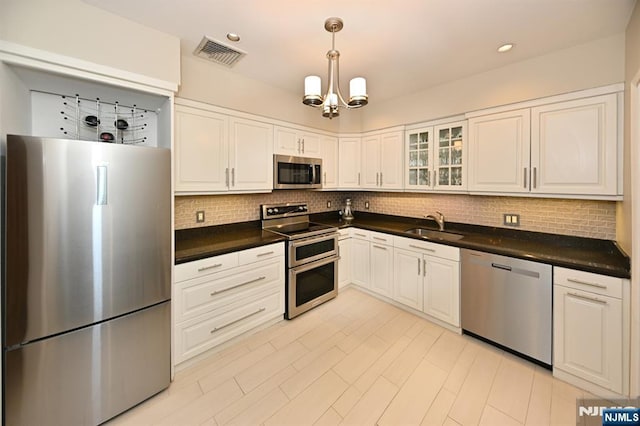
column 199, row 243
column 586, row 254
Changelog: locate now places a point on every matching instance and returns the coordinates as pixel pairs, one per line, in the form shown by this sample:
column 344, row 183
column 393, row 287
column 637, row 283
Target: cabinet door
column 344, row 264
column 574, row 147
column 587, row 337
column 407, row 281
column 391, row 155
column 381, row 273
column 349, row 162
column 329, row 155
column 251, row 155
column 419, row 159
column 370, row 164
column 287, row 141
column 201, row 150
column 449, row 157
column 499, row 152
column 310, row 144
column 442, row 289
column 360, row 262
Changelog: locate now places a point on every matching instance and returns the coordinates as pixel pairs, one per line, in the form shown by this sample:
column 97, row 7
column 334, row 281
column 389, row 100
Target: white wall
column 75, row 29
column 214, row 84
column 589, row 65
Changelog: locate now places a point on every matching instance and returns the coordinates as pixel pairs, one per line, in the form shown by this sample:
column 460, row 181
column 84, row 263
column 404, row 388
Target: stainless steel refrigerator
column 86, row 292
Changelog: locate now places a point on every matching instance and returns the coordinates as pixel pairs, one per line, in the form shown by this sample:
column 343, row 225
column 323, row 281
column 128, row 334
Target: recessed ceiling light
column 233, row 36
column 505, row 47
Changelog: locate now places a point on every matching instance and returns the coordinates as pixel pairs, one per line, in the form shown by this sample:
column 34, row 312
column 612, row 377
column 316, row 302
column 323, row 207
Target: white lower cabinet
column 344, row 264
column 360, row 257
column 221, row 297
column 427, row 278
column 381, row 264
column 590, row 335
column 408, row 281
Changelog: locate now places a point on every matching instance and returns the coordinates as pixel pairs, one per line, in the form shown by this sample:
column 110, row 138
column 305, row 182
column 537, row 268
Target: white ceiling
column 400, row 46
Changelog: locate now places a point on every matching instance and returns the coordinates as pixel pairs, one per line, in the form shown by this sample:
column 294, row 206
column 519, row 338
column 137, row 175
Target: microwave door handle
column 313, row 173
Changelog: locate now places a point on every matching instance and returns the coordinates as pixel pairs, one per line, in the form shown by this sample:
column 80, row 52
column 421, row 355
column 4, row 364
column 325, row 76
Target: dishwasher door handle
column 499, row 266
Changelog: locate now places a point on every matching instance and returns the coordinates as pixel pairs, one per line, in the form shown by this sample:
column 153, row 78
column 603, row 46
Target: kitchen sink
column 432, row 234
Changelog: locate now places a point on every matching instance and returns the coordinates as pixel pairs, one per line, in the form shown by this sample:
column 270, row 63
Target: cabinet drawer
column 261, row 253
column 361, row 234
column 428, row 248
column 206, row 266
column 380, row 238
column 344, row 233
column 202, row 333
column 587, row 281
column 217, row 292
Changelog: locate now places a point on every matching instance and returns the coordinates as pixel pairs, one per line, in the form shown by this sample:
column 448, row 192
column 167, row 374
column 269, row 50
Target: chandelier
column 332, row 99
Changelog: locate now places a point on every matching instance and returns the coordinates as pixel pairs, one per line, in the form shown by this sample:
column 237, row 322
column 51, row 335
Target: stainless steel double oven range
column 312, row 256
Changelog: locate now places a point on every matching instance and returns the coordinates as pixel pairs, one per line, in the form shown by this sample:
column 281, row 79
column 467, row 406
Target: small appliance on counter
column 312, row 256
column 348, row 214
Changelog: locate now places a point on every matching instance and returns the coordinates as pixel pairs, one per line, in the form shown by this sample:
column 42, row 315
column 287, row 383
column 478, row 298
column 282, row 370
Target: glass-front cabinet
column 419, row 161
column 435, row 158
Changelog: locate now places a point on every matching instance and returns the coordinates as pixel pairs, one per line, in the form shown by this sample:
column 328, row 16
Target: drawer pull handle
column 206, row 268
column 592, row 299
column 499, row 266
column 422, row 248
column 237, row 320
column 265, row 254
column 573, row 280
column 424, row 267
column 360, row 235
column 380, row 247
column 419, row 266
column 239, row 285
column 380, row 239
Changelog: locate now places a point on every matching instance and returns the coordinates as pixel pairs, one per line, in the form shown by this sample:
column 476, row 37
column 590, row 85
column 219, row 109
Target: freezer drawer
column 87, row 376
column 508, row 301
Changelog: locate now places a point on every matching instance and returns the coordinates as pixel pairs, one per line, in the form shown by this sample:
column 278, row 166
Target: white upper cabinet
column 435, row 157
column 568, row 145
column 329, row 155
column 349, row 162
column 574, row 147
column 216, row 152
column 499, row 152
column 382, row 157
column 201, row 150
column 250, row 154
column 296, row 142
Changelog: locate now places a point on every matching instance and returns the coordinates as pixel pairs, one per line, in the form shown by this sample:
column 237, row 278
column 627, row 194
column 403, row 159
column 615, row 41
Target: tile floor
column 357, row 360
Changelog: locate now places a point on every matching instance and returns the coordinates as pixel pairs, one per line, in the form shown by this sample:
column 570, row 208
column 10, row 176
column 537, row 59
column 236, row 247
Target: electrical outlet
column 511, row 219
column 366, row 205
column 328, row 204
column 200, row 216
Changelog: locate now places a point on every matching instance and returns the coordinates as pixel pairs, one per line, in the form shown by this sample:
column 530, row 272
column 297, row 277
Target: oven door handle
column 315, row 264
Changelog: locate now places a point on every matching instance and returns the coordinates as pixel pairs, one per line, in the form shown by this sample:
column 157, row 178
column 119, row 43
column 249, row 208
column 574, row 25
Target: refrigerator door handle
column 101, row 196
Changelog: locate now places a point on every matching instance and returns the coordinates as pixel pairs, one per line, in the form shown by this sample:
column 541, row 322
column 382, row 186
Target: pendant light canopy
column 333, row 99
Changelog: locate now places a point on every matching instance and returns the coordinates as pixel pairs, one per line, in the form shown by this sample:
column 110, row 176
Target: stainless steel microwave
column 296, row 172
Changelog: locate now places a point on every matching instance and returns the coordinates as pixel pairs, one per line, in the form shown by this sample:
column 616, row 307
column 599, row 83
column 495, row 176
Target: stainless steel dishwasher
column 508, row 301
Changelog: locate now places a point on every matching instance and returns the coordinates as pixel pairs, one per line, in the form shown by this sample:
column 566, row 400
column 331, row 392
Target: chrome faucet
column 439, row 219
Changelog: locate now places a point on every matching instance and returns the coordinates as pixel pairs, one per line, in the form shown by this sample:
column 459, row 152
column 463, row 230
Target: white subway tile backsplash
column 583, row 218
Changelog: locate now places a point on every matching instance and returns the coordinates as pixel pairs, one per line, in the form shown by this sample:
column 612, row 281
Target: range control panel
column 272, row 211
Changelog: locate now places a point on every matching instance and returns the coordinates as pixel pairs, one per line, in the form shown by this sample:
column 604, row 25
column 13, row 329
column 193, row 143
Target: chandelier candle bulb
column 358, row 87
column 312, row 85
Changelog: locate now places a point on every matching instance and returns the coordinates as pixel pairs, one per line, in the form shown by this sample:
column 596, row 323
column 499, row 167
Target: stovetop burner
column 292, row 221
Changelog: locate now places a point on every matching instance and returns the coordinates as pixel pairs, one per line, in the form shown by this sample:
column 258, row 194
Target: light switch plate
column 200, row 216
column 511, row 219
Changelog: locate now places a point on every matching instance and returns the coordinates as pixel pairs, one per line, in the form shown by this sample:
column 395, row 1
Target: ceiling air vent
column 218, row 52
